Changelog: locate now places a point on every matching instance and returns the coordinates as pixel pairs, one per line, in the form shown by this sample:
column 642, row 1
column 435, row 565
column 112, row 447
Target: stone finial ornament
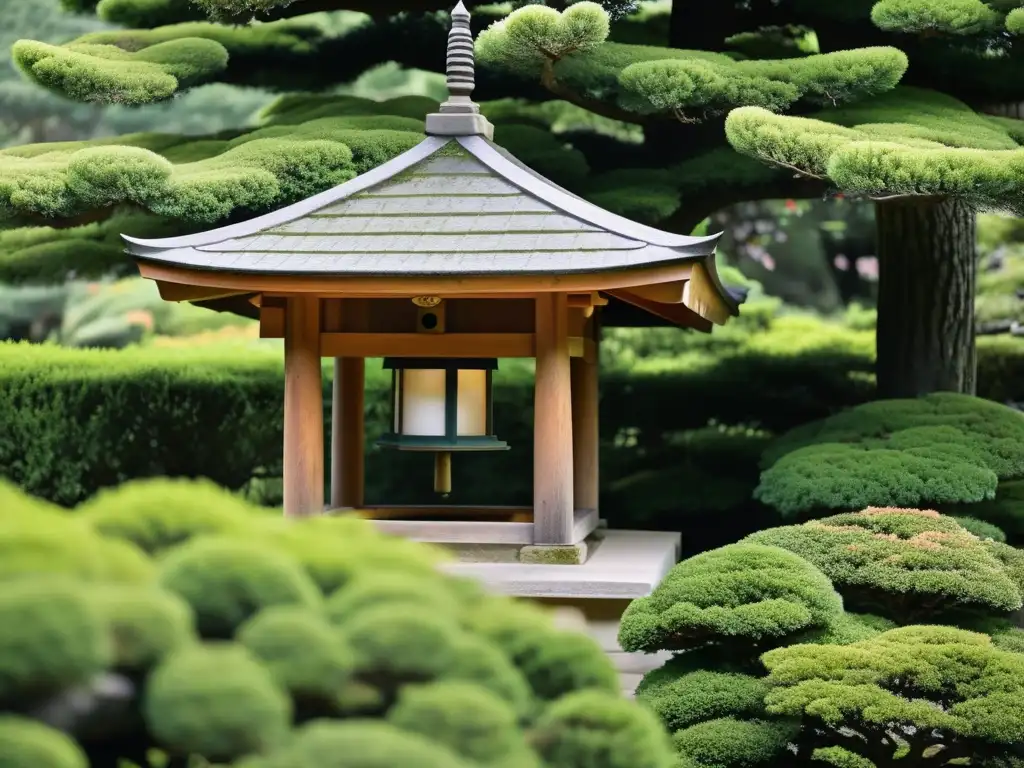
column 459, row 115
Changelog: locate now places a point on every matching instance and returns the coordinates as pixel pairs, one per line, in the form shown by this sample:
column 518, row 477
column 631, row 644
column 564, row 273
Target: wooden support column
column 584, row 375
column 303, row 409
column 552, row 424
column 348, row 433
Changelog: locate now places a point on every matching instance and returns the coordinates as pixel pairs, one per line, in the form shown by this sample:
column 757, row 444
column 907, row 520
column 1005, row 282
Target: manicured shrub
column 908, row 565
column 553, row 662
column 934, row 688
column 145, row 624
column 28, row 743
column 851, row 689
column 159, row 514
column 1006, row 510
column 743, row 594
column 941, row 449
column 980, row 528
column 729, row 741
column 360, row 744
column 366, row 592
column 472, row 722
column 447, row 676
column 336, row 550
column 52, row 637
column 227, row 581
column 591, row 728
column 305, row 654
column 216, row 701
column 73, row 425
column 396, row 645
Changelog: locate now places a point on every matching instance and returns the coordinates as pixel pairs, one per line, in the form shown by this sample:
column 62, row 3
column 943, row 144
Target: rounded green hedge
column 746, row 593
column 227, row 581
column 216, row 701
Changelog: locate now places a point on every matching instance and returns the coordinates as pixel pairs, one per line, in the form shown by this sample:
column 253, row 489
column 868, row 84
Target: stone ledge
column 626, row 565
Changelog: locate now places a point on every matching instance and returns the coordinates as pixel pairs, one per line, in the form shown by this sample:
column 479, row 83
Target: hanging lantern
column 441, row 406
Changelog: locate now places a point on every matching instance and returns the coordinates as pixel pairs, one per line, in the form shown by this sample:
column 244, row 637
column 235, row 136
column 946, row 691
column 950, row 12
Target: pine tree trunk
column 927, row 269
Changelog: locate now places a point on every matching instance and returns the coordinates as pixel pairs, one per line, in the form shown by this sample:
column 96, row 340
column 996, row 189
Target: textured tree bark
column 927, row 270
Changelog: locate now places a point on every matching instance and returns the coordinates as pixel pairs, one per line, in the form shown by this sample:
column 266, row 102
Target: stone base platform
column 591, row 597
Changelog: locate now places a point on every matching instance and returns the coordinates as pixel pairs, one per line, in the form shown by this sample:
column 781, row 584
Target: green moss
column 53, row 638
column 159, row 514
column 951, row 17
column 747, row 595
column 95, row 72
column 307, row 657
column 361, row 744
column 910, row 142
column 216, row 701
column 28, row 743
column 907, row 565
column 939, row 449
column 573, row 554
column 472, row 722
column 227, row 581
column 591, row 728
column 146, row 624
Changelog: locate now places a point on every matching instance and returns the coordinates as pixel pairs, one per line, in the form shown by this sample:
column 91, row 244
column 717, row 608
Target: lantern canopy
column 441, row 405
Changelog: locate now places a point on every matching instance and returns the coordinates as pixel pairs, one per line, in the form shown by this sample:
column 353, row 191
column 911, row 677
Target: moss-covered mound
column 906, row 564
column 744, row 594
column 280, row 644
column 940, row 449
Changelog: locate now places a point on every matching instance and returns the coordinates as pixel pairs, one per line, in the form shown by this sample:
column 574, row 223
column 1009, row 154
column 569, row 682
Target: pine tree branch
column 553, row 86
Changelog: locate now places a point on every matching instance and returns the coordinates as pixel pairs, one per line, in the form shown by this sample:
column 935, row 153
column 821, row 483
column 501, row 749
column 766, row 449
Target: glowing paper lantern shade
column 441, row 406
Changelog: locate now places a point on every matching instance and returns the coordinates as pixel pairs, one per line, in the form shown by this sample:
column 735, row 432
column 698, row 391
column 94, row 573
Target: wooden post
column 303, row 409
column 348, row 433
column 552, row 424
column 584, row 432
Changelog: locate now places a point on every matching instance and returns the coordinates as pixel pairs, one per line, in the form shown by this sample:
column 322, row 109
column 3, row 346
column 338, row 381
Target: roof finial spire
column 459, row 115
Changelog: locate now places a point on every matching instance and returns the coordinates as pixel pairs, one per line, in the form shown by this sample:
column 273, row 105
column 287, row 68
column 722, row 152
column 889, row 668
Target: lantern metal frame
column 450, row 441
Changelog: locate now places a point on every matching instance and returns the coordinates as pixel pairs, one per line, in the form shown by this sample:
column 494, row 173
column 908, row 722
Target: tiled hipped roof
column 448, row 206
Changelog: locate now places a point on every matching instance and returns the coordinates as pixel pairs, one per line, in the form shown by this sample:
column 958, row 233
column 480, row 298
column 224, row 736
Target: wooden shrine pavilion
column 443, row 260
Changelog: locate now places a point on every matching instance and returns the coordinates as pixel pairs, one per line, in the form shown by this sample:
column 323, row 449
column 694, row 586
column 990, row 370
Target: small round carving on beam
column 426, row 301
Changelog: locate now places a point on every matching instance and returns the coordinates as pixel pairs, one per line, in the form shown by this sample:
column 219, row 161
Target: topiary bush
column 156, row 515
column 742, row 594
column 719, row 611
column 216, row 701
column 243, row 648
column 749, row 686
column 908, row 565
column 908, row 694
column 944, row 448
column 227, row 581
column 471, row 721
